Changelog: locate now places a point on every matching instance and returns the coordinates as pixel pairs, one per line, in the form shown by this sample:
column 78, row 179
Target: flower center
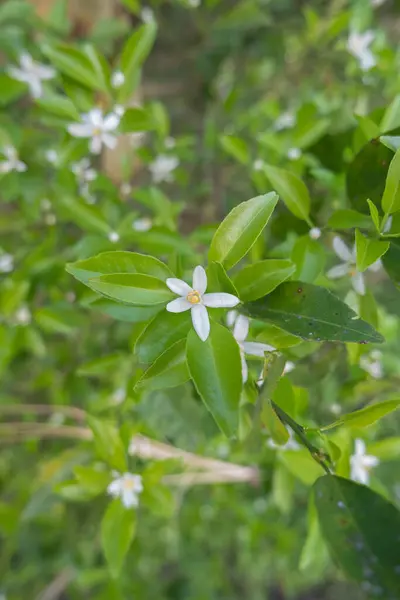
column 352, row 271
column 194, row 297
column 97, row 131
column 128, row 484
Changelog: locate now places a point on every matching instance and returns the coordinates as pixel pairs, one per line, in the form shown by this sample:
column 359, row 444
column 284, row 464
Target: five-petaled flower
column 12, row 162
column 361, row 463
column 240, row 333
column 32, row 73
column 196, row 300
column 127, row 487
column 99, row 128
column 358, row 45
column 162, row 168
column 348, row 267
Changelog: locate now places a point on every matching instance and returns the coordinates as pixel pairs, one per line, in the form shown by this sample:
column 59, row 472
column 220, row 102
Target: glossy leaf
column 391, row 194
column 259, row 279
column 309, row 258
column 132, row 288
column 168, row 370
column 292, row 190
column 368, row 251
column 313, row 313
column 273, row 424
column 240, row 229
column 391, row 262
column 365, row 416
column 161, row 333
column 347, row 219
column 361, row 529
column 374, row 215
column 219, row 280
column 301, row 465
column 391, row 117
column 134, row 53
column 215, row 368
column 117, row 531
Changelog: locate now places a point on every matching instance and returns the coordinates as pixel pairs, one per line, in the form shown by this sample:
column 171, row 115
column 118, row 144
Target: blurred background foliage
column 215, row 92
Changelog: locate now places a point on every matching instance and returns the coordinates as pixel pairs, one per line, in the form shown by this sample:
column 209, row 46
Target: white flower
column 258, row 164
column 240, row 333
column 361, row 463
column 99, row 128
column 194, row 3
column 144, row 224
column 231, row 317
column 119, row 110
column 113, row 236
column 388, row 224
column 137, row 138
column 377, row 2
column 147, row 15
column 117, row 79
column 12, row 162
column 291, row 444
column 289, row 366
column 285, row 121
column 348, row 267
column 118, row 396
column 23, row 316
column 6, row 263
column 358, row 46
column 52, row 156
column 32, row 73
column 294, row 153
column 372, row 364
column 314, row 233
column 45, row 204
column 169, row 142
column 127, row 487
column 196, row 300
column 83, row 171
column 50, row 219
column 162, row 167
column 125, row 188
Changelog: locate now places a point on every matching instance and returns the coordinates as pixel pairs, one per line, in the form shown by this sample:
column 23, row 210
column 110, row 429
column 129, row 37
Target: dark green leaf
column 161, row 333
column 259, row 279
column 168, row 370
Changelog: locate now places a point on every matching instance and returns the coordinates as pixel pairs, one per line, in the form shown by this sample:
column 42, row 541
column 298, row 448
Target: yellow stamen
column 352, row 272
column 193, row 297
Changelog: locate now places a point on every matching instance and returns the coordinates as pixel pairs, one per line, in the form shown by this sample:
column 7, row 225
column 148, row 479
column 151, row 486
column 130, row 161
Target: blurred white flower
column 315, row 233
column 99, row 128
column 162, row 167
column 388, row 224
column 118, row 396
column 147, row 15
column 32, row 73
column 6, row 263
column 372, row 364
column 361, row 463
column 143, row 224
column 125, row 188
column 240, row 333
column 127, row 487
column 289, row 367
column 258, row 164
column 23, row 316
column 196, row 300
column 83, row 171
column 52, row 156
column 50, row 219
column 12, row 162
column 137, row 138
column 348, row 267
column 169, row 142
column 291, row 444
column 113, row 236
column 377, row 2
column 358, row 45
column 194, row 3
column 294, row 153
column 231, row 317
column 45, row 204
column 285, row 121
column 119, row 110
column 117, row 79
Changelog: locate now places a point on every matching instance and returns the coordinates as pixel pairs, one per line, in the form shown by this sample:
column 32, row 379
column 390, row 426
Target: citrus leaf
column 117, row 531
column 132, row 288
column 292, row 190
column 368, row 251
column 168, row 370
column 259, row 279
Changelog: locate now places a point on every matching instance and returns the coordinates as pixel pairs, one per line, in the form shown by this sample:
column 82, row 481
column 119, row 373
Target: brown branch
column 57, row 586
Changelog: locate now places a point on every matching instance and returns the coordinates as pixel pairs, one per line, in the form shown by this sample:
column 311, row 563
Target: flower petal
column 129, row 498
column 370, row 461
column 114, row 488
column 35, row 87
column 220, row 300
column 109, row 140
column 199, row 279
column 256, row 348
column 338, row 271
column 241, row 328
column 95, row 144
column 358, row 283
column 200, row 320
column 178, row 286
column 178, row 305
column 375, row 266
column 360, row 447
column 245, row 369
column 111, row 122
column 80, row 129
column 231, row 317
column 341, row 249
column 95, row 117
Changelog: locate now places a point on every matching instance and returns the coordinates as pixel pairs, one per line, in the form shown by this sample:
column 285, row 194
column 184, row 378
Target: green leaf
column 122, row 312
column 273, row 335
column 301, row 465
column 347, row 219
column 59, row 105
column 108, row 443
column 168, row 370
column 273, row 424
column 240, row 229
column 99, row 64
column 91, row 479
column 292, row 190
column 391, row 118
column 75, row 64
column 361, row 529
column 309, row 258
column 161, row 333
column 391, row 194
column 136, row 119
column 236, row 147
column 391, row 262
column 89, row 218
column 219, row 280
column 312, row 313
column 215, row 368
column 117, row 531
column 259, row 279
column 365, row 416
column 374, row 215
column 132, row 288
column 133, row 56
column 10, row 89
column 386, row 449
column 368, row 251
column 118, row 262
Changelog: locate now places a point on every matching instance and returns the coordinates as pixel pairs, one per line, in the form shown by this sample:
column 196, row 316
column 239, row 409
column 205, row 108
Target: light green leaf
column 117, row 531
column 136, row 119
column 123, row 312
column 236, row 147
column 75, row 64
column 215, row 368
column 386, row 449
column 391, row 118
column 273, row 335
column 391, row 194
column 292, row 190
column 219, row 281
column 313, row 313
column 240, row 229
column 133, row 56
column 259, row 279
column 365, row 416
column 168, row 370
column 59, row 105
column 301, row 465
column 92, row 480
column 347, row 218
column 273, row 424
column 132, row 288
column 108, row 443
column 10, row 89
column 368, row 251
column 89, row 218
column 374, row 215
column 309, row 257
column 361, row 529
column 161, row 333
column 314, row 554
column 118, row 262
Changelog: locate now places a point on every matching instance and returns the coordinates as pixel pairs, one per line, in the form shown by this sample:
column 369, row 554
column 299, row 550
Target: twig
column 57, row 586
column 43, row 409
